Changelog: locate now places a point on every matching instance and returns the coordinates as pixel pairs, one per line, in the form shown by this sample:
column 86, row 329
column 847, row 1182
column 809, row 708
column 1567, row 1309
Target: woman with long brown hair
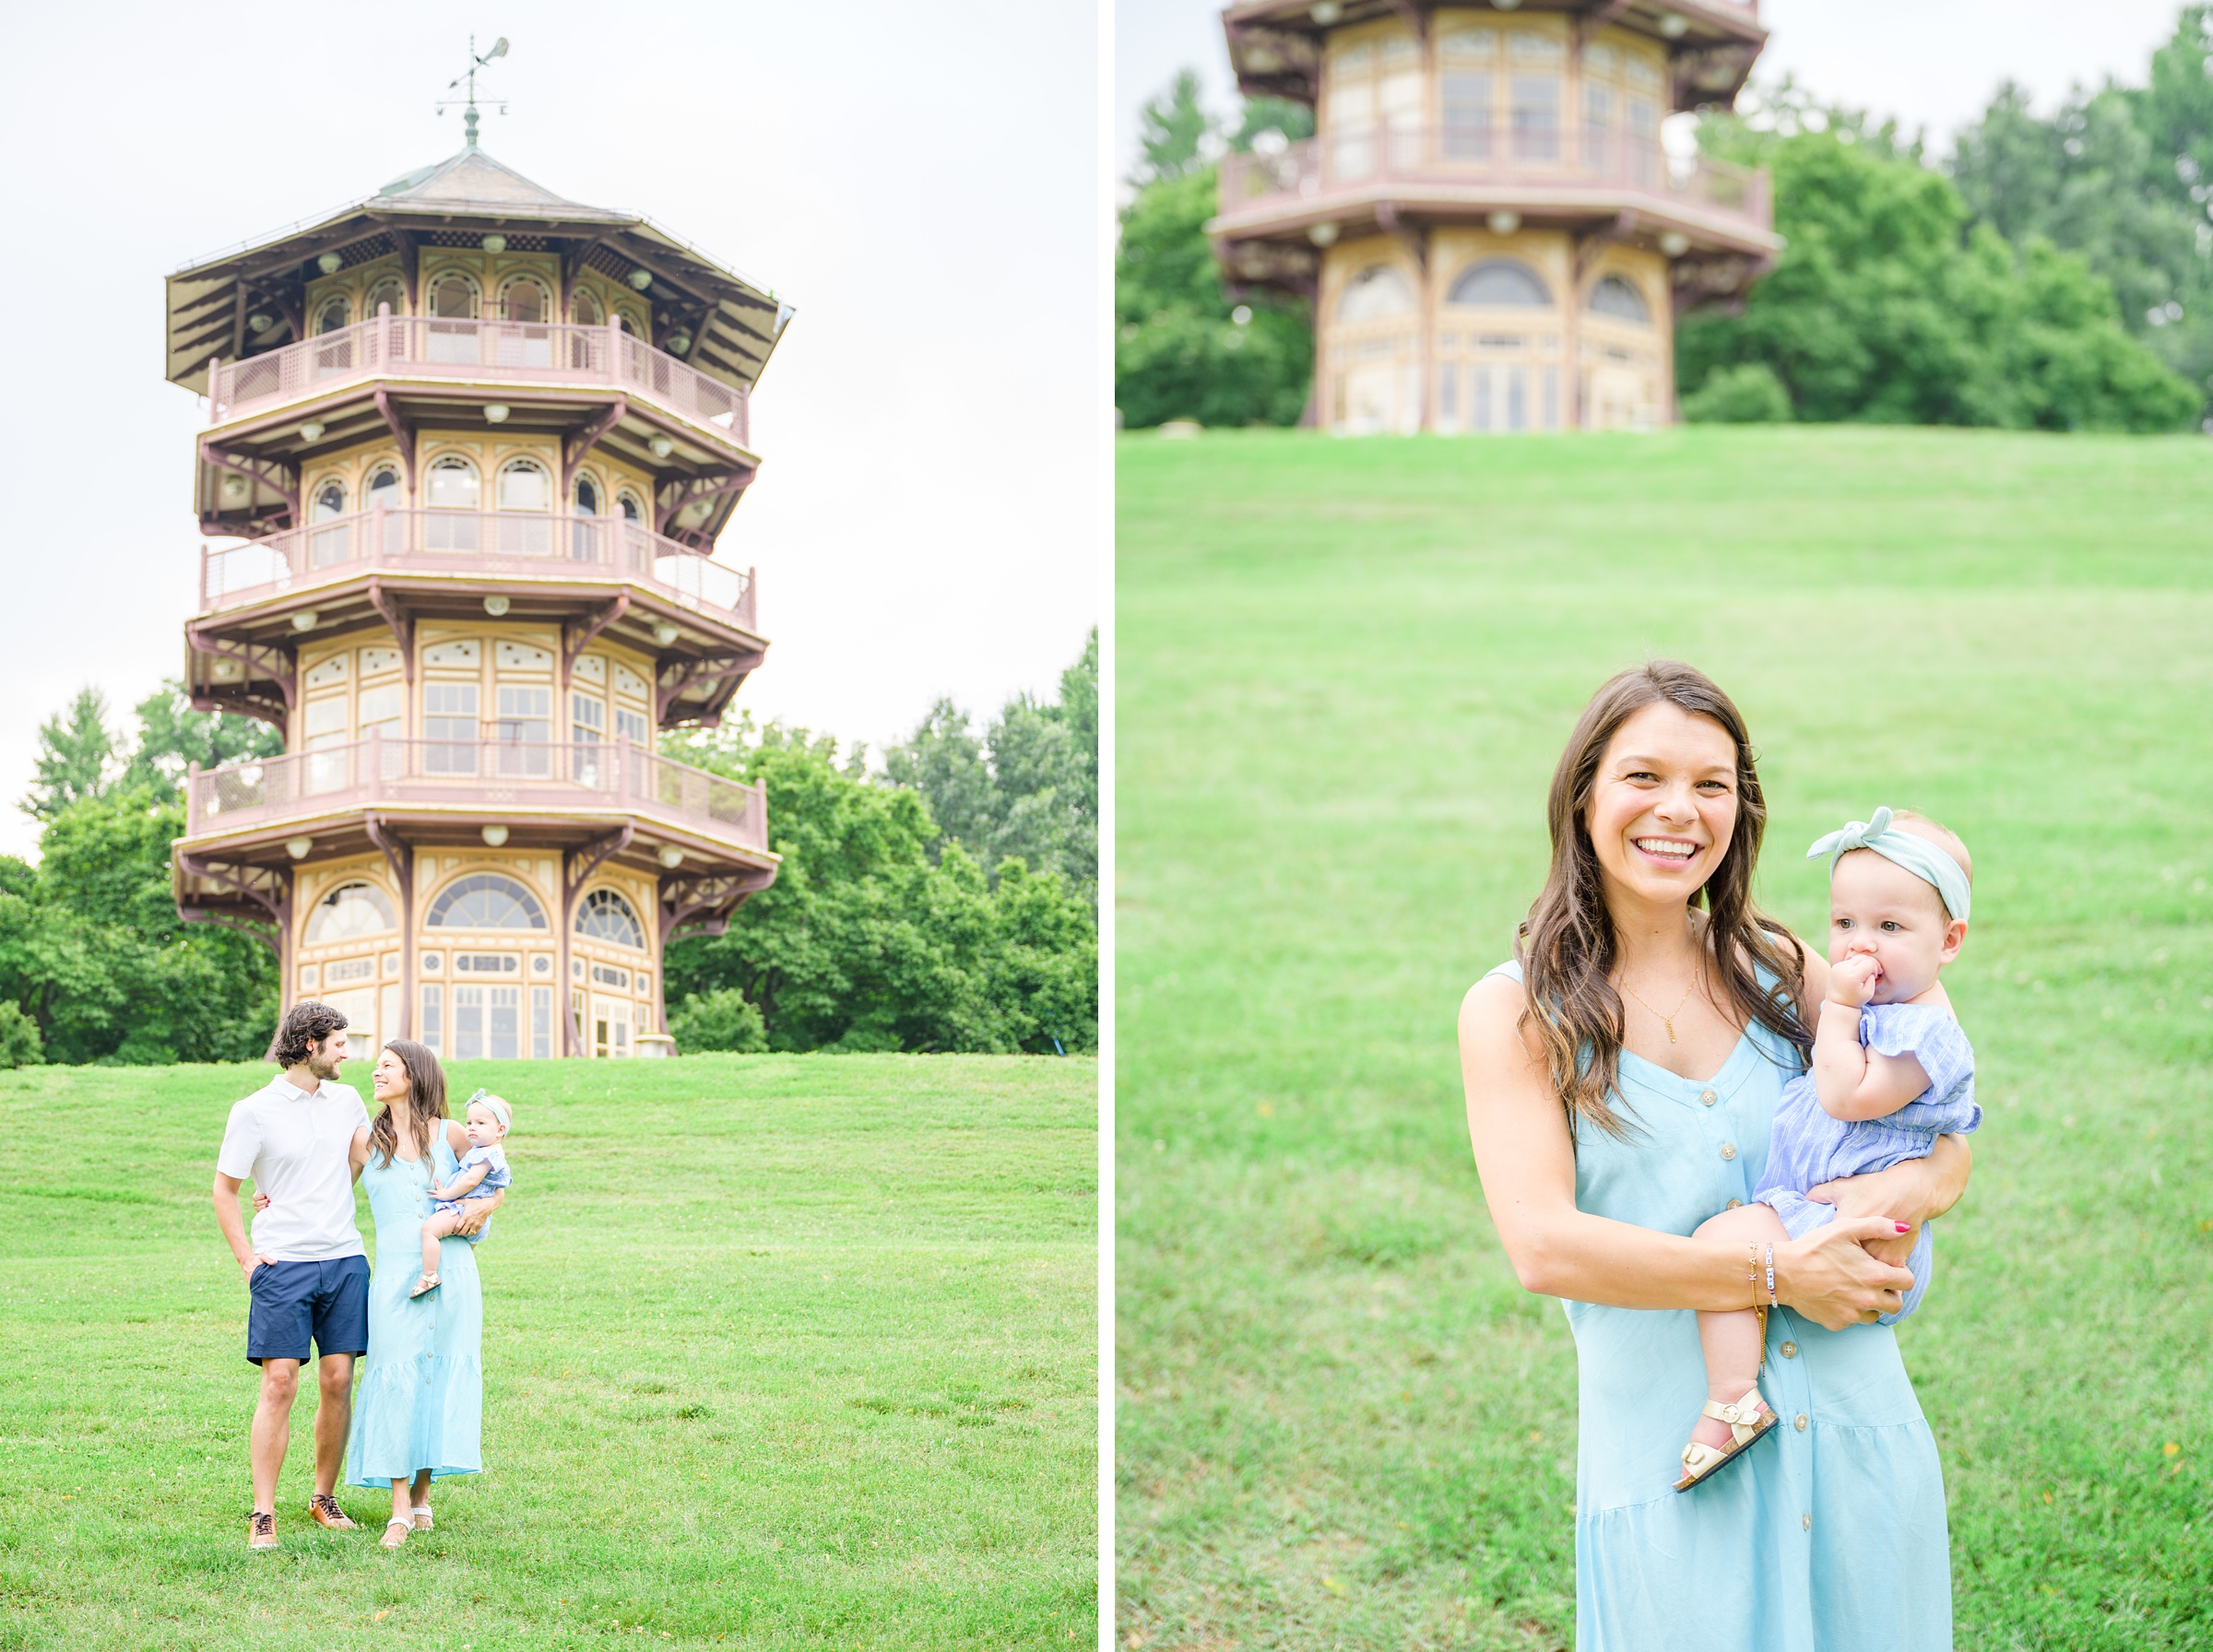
column 418, row 1413
column 1621, row 1076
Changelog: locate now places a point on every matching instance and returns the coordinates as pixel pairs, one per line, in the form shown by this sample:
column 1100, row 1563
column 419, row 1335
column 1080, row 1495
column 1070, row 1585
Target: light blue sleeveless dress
column 1830, row 1535
column 421, row 1399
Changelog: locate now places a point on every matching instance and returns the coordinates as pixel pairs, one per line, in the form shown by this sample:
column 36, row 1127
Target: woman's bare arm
column 1526, row 1160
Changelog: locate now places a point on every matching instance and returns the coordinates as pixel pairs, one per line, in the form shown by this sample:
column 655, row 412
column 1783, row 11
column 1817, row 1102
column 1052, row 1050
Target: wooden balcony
column 1552, row 175
column 483, row 545
column 431, row 349
column 491, row 780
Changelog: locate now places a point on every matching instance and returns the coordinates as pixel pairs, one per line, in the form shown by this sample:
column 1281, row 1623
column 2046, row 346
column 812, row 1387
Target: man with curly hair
column 302, row 1138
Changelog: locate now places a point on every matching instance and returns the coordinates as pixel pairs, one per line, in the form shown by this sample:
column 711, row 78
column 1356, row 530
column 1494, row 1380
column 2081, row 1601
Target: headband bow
column 498, row 1108
column 1917, row 855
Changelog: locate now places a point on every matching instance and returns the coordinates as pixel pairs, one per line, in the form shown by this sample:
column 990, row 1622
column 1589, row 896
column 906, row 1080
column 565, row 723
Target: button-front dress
column 1827, row 1536
column 421, row 1397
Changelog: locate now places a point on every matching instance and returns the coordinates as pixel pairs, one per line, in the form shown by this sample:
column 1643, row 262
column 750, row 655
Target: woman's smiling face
column 1663, row 805
column 390, row 1079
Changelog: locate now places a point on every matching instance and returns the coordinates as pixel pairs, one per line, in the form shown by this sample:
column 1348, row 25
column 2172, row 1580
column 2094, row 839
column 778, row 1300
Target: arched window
column 586, row 309
column 524, row 300
column 1613, row 296
column 381, row 491
column 330, row 502
column 331, row 316
column 631, row 510
column 604, row 915
column 587, row 497
column 349, row 911
column 524, row 486
column 453, row 484
column 452, row 522
column 385, row 294
column 622, row 320
column 454, row 298
column 487, row 901
column 1377, row 291
column 1503, row 282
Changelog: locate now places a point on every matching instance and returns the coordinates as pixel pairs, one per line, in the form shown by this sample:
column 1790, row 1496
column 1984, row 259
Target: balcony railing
column 475, row 542
column 1569, row 160
column 490, row 775
column 498, row 351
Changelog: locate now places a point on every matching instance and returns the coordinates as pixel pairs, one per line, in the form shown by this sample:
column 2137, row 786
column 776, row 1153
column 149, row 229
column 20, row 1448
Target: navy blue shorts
column 296, row 1301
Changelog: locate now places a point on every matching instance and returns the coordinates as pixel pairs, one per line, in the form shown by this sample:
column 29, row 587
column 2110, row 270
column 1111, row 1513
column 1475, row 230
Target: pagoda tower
column 1485, row 222
column 472, row 444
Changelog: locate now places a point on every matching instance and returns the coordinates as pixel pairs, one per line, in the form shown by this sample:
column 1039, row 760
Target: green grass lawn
column 779, row 1351
column 1346, row 670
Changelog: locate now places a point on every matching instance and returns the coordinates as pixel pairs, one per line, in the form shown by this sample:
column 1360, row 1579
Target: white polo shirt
column 296, row 1147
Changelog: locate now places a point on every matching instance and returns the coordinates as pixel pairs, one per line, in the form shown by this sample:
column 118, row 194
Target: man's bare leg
column 272, row 1429
column 334, row 1418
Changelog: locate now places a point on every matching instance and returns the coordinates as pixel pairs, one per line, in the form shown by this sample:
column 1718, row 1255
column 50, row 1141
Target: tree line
column 946, row 903
column 2048, row 273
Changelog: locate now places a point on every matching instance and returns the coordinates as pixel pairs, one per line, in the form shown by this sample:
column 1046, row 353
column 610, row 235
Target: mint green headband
column 493, row 1105
column 1917, row 855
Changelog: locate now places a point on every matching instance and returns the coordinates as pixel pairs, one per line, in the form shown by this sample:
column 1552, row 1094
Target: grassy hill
column 1345, row 672
column 780, row 1351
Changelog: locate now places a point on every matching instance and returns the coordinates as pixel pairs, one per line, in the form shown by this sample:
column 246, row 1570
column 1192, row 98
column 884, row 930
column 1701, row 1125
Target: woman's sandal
column 391, row 1540
column 1748, row 1418
column 423, row 1516
column 423, row 1286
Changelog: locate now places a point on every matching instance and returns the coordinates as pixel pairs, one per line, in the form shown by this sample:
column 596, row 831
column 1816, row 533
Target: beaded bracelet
column 1771, row 1276
column 1752, row 1271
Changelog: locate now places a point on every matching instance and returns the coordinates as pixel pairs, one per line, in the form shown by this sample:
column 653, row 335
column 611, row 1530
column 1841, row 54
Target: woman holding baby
column 1623, row 1076
column 418, row 1415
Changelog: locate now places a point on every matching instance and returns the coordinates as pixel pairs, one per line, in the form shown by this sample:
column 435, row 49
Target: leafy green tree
column 2122, row 175
column 1889, row 307
column 171, row 735
column 1184, row 347
column 866, row 941
column 1173, row 130
column 1028, row 788
column 1746, row 394
column 720, row 1018
column 100, row 958
column 77, row 756
column 19, row 1042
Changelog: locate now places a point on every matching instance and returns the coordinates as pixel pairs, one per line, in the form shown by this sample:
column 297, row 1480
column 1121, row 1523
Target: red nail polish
column 1902, row 1227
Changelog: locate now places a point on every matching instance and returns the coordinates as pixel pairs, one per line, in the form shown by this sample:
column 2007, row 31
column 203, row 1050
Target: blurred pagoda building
column 1492, row 235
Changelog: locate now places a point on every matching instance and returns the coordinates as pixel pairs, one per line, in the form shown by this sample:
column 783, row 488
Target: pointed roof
column 735, row 320
column 472, row 180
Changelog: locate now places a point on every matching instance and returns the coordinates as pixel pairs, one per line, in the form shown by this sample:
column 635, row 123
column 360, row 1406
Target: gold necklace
column 1668, row 1020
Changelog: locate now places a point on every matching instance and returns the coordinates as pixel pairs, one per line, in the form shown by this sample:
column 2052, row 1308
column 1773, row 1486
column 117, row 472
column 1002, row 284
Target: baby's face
column 1878, row 909
column 482, row 1127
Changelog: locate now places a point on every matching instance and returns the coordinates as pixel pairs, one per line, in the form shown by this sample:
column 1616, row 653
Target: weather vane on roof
column 499, row 49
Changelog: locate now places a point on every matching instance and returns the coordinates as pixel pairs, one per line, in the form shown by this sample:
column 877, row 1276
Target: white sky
column 919, row 180
column 1932, row 62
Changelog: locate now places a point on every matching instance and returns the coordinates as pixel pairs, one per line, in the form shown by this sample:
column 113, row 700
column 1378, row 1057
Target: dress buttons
column 1707, row 1098
column 1789, row 1350
column 1805, row 1522
column 1799, row 1423
column 1734, row 1204
column 1728, row 1150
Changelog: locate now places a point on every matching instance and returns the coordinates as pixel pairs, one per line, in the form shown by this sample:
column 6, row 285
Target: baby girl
column 482, row 1170
column 1892, row 1071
